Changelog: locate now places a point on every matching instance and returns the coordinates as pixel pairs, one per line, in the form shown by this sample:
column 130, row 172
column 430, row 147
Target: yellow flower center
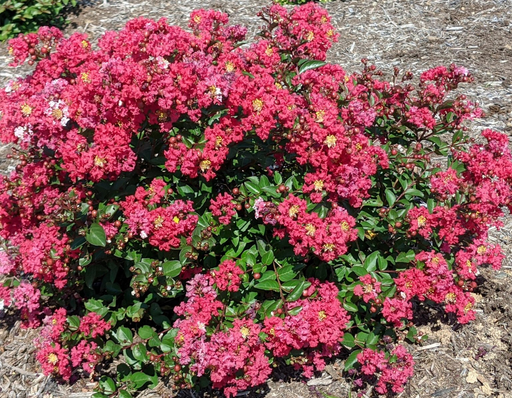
column 359, row 146
column 257, row 105
column 99, row 162
column 218, row 141
column 320, row 116
column 197, row 19
column 52, row 358
column 85, row 44
column 162, row 116
column 205, row 165
column 310, row 230
column 230, row 66
column 269, row 51
column 322, row 315
column 367, row 288
column 26, row 109
column 85, row 77
column 467, row 308
column 294, row 210
column 245, row 331
column 345, row 226
column 329, row 247
column 57, row 114
column 11, row 51
column 330, row 33
column 469, row 264
column 422, row 221
column 450, row 298
column 176, row 219
column 318, row 185
column 330, row 141
column 310, row 36
column 159, row 222
column 481, row 249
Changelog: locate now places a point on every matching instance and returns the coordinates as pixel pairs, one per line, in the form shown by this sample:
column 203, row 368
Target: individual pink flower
column 228, row 276
column 369, row 289
column 395, row 310
column 223, row 207
column 92, row 324
column 26, row 296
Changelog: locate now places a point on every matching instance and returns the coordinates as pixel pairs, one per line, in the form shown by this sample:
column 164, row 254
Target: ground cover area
column 470, row 361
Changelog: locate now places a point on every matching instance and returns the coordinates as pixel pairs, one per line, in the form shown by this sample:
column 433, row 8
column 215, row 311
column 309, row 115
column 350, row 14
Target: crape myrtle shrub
column 204, row 211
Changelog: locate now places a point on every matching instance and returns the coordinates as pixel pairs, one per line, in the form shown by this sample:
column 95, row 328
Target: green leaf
column 267, row 258
column 124, row 394
column 124, row 335
column 390, row 197
column 97, row 306
column 348, row 340
column 268, row 285
column 112, row 347
column 252, row 187
column 96, row 235
column 351, row 360
column 351, row 307
column 140, row 379
column 297, row 292
column 140, row 353
column 383, row 263
column 308, row 64
column 146, row 332
column 249, row 258
column 266, row 253
column 406, row 257
column 74, row 322
column 286, row 273
column 172, row 268
column 108, row 385
column 167, row 344
column 370, row 264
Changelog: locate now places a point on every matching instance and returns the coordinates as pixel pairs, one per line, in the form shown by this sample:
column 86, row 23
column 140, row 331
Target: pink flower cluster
column 228, row 276
column 54, row 353
column 235, row 358
column 151, row 215
column 369, row 289
column 326, row 237
column 318, row 327
column 222, row 206
column 392, row 372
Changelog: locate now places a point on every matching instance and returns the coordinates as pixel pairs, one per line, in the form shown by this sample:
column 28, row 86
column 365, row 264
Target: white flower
column 143, row 235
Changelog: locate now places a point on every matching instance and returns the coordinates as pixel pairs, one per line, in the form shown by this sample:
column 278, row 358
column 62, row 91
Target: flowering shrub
column 28, row 15
column 202, row 211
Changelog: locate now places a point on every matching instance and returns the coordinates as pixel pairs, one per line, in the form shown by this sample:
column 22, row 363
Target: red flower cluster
column 151, row 215
column 53, row 353
column 319, row 325
column 392, row 372
column 326, row 237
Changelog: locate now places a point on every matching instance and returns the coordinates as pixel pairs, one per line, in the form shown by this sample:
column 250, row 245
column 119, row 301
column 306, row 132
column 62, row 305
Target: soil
column 473, row 361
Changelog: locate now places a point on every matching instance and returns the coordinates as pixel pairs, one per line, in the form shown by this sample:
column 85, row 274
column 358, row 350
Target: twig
column 21, row 371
